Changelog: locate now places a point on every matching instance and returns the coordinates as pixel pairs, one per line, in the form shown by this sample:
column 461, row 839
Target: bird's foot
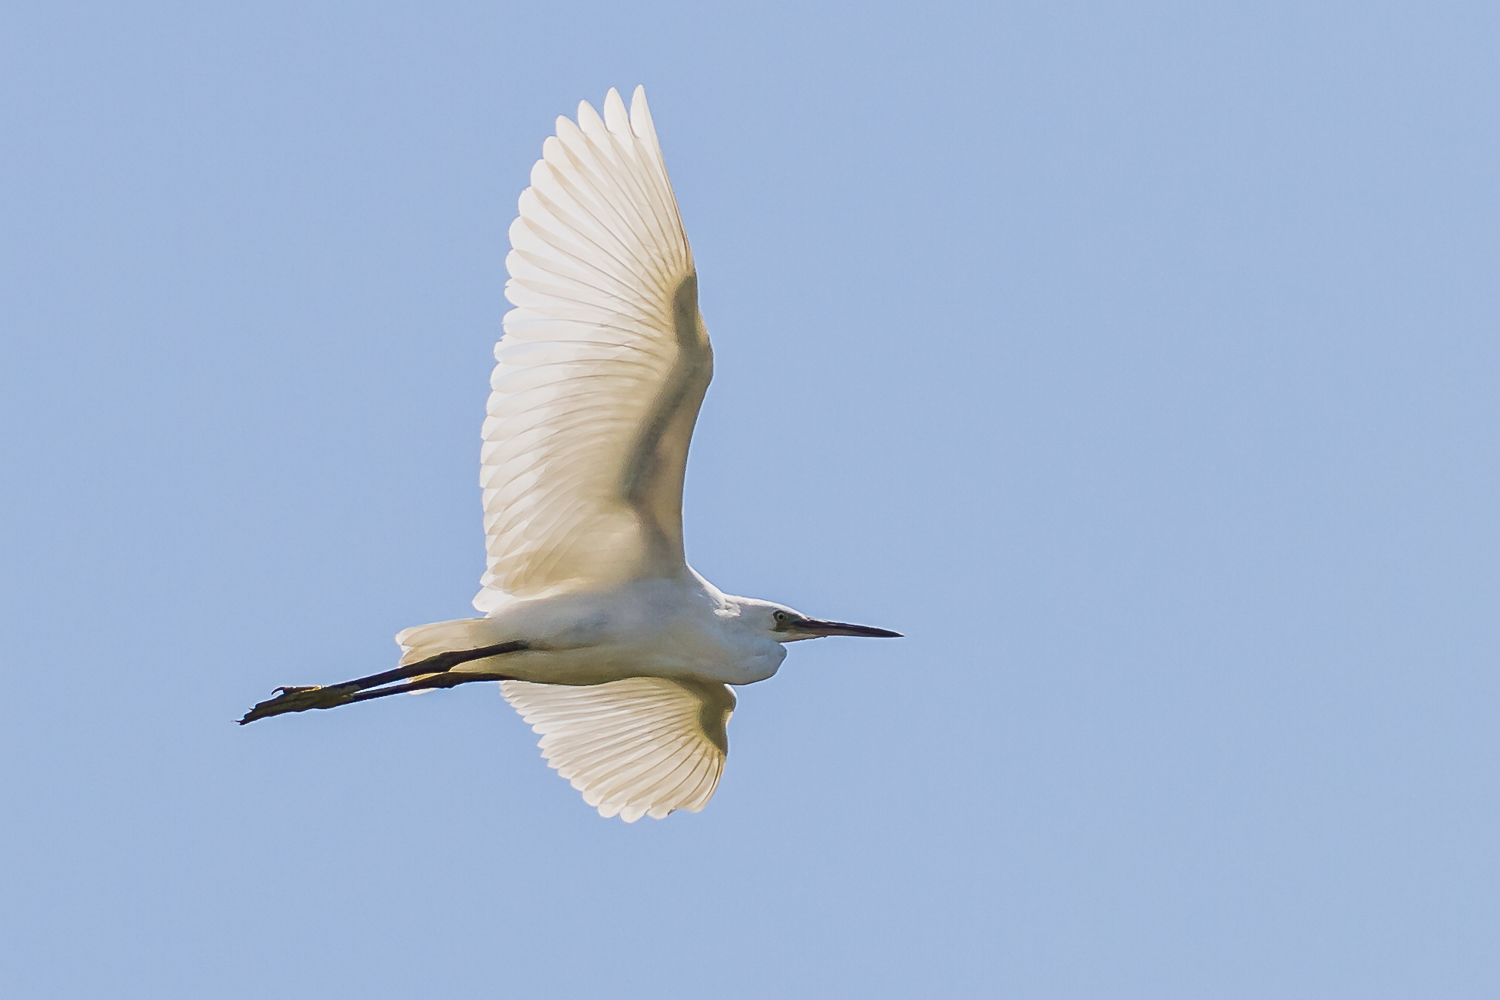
column 300, row 699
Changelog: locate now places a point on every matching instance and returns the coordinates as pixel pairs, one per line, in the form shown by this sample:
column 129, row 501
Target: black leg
column 429, row 683
column 300, row 699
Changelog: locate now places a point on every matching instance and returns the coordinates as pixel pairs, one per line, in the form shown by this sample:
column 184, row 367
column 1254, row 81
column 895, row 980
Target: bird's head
column 785, row 625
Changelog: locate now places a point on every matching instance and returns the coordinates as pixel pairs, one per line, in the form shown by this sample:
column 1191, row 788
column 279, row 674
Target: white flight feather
column 642, row 746
column 600, row 371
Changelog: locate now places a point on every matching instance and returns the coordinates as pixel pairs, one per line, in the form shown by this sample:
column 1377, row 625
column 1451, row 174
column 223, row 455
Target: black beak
column 818, row 629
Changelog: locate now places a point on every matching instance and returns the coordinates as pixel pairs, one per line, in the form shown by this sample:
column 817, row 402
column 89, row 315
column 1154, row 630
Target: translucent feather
column 600, row 372
column 643, row 746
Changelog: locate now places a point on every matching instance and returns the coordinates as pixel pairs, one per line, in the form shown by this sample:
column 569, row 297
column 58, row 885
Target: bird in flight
column 601, row 635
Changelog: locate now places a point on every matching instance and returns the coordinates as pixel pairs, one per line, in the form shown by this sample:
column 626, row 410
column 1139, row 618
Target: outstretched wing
column 642, row 746
column 600, row 372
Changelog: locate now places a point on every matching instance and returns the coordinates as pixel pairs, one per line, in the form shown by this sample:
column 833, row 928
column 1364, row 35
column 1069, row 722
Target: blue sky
column 1137, row 361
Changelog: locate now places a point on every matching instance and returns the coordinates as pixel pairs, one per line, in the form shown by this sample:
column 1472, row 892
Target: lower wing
column 642, row 746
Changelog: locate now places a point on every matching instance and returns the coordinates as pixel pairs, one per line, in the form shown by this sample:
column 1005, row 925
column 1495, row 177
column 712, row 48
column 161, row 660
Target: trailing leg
column 300, row 699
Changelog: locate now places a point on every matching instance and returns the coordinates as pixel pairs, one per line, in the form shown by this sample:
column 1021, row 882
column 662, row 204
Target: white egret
column 603, row 637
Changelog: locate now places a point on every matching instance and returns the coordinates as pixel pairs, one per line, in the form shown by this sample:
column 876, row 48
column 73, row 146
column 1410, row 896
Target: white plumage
column 593, row 351
column 641, row 746
column 602, row 636
column 604, row 341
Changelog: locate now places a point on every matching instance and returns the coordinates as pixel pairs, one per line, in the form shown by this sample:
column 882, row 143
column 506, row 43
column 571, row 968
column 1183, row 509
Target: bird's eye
column 781, row 617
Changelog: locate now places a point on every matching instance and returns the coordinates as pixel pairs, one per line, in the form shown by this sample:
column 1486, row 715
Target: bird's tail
column 421, row 641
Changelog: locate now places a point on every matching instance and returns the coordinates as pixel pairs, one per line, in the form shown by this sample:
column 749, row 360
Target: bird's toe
column 300, row 699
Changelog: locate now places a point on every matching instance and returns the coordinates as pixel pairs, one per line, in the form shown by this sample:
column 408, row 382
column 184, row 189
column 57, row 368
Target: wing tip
column 614, row 111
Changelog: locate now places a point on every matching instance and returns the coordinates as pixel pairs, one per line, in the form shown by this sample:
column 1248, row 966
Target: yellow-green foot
column 300, row 699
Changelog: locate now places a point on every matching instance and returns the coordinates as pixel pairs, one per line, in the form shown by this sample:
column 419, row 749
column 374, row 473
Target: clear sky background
column 1138, row 361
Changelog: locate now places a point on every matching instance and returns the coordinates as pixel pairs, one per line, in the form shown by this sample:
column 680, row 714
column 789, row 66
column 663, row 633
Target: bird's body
column 671, row 628
column 601, row 634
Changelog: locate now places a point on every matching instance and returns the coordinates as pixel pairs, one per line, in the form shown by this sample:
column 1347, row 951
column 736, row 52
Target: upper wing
column 600, row 372
column 642, row 746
